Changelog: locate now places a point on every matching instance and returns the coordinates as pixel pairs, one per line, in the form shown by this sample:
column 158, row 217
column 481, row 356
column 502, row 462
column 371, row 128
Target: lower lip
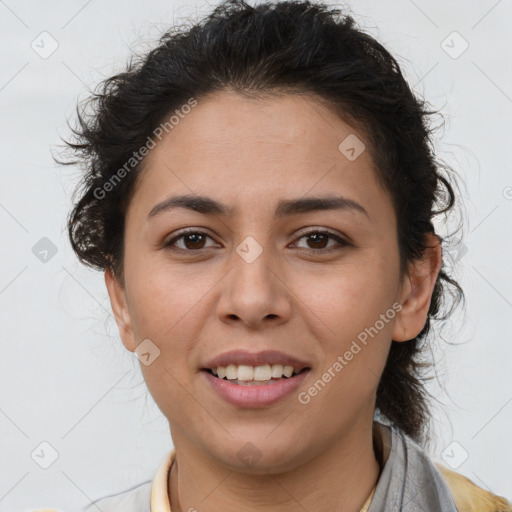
column 255, row 396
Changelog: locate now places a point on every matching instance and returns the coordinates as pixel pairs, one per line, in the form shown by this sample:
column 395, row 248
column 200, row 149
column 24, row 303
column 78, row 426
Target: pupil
column 316, row 236
column 196, row 239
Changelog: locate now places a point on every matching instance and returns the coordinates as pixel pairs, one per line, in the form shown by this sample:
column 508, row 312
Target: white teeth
column 254, row 373
column 245, row 372
column 263, row 372
column 277, row 370
column 288, row 371
column 231, row 371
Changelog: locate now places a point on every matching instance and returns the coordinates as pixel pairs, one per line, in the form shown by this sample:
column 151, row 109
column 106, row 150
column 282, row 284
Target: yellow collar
column 159, row 488
column 469, row 497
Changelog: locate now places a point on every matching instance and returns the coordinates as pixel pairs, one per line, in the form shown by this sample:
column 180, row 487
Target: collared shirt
column 409, row 481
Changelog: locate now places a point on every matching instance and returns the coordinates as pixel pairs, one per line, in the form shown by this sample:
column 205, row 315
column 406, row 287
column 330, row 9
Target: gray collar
column 409, row 481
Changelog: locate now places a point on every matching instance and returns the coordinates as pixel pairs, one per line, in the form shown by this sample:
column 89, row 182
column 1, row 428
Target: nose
column 254, row 293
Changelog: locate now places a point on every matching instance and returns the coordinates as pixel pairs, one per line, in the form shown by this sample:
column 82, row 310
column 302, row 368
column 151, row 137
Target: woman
column 259, row 192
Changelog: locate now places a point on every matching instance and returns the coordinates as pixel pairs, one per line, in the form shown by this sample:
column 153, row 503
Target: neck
column 340, row 478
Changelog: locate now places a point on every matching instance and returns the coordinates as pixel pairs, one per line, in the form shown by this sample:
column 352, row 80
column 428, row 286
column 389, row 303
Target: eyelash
column 342, row 243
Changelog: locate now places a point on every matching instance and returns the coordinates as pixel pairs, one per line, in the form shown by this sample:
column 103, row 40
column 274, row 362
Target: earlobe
column 417, row 290
column 120, row 310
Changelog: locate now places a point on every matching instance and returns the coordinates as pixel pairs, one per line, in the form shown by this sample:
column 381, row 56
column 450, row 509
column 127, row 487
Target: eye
column 192, row 241
column 319, row 239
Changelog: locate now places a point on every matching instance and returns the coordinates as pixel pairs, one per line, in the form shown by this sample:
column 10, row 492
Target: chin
column 258, row 454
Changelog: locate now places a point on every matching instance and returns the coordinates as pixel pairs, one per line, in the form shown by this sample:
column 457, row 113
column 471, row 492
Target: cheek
column 164, row 299
column 170, row 308
column 350, row 297
column 359, row 315
column 354, row 304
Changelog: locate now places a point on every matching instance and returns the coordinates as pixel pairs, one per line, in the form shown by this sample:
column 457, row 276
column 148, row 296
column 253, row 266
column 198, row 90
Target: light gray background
column 66, row 378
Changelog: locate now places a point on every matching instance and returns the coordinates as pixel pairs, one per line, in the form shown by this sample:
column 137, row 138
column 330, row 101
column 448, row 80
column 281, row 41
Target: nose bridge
column 253, row 290
column 251, row 276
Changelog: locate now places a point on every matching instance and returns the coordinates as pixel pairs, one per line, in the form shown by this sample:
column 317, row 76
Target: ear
column 120, row 309
column 416, row 291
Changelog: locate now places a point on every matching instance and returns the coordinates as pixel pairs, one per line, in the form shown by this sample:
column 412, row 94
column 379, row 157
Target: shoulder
column 137, row 499
column 142, row 497
column 450, row 490
column 469, row 497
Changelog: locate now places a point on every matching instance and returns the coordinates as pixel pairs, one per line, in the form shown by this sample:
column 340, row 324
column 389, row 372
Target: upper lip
column 241, row 356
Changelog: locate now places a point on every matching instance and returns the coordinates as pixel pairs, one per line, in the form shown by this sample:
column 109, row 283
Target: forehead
column 226, row 123
column 247, row 150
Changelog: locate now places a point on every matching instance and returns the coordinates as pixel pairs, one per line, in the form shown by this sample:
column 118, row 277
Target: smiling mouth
column 252, row 382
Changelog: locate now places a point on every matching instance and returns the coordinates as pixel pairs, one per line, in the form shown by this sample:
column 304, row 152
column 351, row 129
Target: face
column 309, row 282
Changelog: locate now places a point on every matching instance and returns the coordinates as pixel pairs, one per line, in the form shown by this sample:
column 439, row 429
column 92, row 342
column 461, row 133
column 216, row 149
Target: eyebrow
column 208, row 206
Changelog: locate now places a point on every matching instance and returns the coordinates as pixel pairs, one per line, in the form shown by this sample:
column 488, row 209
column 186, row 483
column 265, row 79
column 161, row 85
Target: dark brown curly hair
column 273, row 48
